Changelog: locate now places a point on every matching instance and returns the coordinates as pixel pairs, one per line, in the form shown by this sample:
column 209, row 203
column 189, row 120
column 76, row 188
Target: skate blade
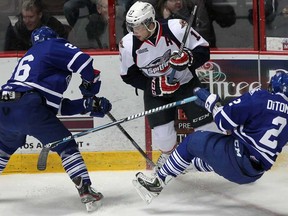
column 143, row 192
column 93, row 206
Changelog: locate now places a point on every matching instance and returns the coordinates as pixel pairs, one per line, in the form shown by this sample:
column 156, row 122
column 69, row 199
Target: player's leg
column 9, row 143
column 11, row 137
column 210, row 147
column 199, row 118
column 46, row 127
column 165, row 138
column 162, row 125
column 72, row 161
column 150, row 187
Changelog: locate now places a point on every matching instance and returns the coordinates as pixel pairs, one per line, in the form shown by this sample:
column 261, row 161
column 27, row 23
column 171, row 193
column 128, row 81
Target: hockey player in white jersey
column 149, row 54
column 33, row 96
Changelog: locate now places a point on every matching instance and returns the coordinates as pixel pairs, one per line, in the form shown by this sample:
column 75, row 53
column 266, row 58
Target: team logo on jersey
column 158, row 65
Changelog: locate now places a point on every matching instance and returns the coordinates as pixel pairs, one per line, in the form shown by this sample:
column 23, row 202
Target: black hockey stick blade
column 42, row 159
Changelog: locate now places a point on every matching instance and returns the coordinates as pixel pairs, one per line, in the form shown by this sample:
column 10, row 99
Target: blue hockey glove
column 161, row 87
column 180, row 63
column 206, row 99
column 91, row 88
column 97, row 107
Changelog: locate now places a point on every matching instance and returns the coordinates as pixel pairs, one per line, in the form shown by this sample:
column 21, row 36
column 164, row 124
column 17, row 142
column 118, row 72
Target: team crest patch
column 158, row 65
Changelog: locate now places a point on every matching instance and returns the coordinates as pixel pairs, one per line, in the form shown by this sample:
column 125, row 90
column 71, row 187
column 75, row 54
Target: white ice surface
column 201, row 194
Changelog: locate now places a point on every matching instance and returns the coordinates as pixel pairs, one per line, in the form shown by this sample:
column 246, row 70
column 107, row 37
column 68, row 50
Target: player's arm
column 135, row 77
column 201, row 54
column 90, row 86
column 229, row 117
column 72, row 58
column 195, row 52
column 97, row 107
column 211, row 102
column 129, row 71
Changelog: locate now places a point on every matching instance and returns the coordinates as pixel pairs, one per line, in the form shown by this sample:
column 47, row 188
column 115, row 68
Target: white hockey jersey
column 151, row 56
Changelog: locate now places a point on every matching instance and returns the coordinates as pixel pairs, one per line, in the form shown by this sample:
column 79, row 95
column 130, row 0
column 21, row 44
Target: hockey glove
column 180, row 63
column 206, row 99
column 97, row 107
column 161, row 87
column 90, row 88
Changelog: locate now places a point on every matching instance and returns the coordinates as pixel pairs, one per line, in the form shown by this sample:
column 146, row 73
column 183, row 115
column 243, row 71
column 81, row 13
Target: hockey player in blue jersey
column 33, row 96
column 255, row 131
column 149, row 54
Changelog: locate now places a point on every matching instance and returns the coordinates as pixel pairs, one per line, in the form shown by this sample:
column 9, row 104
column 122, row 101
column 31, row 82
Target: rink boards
column 227, row 74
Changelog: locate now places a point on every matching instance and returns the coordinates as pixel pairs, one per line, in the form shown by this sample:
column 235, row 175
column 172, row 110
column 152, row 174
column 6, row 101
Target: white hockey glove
column 206, row 99
column 180, row 63
column 161, row 87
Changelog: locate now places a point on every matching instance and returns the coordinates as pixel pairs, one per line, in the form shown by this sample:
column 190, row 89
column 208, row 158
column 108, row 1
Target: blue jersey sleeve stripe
column 57, row 106
column 228, row 119
column 84, row 65
column 73, row 60
column 221, row 127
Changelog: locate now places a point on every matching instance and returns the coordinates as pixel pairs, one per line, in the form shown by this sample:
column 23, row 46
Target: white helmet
column 140, row 13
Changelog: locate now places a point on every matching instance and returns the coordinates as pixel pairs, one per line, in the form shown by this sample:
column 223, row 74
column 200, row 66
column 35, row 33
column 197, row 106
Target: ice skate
column 91, row 198
column 148, row 187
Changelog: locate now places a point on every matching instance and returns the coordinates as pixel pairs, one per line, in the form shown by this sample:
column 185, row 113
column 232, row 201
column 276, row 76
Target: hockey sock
column 74, row 165
column 201, row 166
column 174, row 166
column 4, row 158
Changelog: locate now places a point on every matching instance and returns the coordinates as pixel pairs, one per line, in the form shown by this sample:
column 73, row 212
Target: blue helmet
column 279, row 82
column 42, row 34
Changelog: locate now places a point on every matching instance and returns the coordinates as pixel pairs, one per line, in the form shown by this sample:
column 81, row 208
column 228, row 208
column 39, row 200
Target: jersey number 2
column 266, row 139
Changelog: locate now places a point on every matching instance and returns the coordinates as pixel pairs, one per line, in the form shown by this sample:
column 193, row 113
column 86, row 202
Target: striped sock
column 174, row 166
column 4, row 158
column 74, row 165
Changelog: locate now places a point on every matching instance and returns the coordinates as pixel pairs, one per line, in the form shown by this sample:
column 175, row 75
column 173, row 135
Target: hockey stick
column 150, row 162
column 42, row 160
column 187, row 30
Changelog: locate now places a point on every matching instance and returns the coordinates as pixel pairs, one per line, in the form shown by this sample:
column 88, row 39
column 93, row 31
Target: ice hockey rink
column 201, row 194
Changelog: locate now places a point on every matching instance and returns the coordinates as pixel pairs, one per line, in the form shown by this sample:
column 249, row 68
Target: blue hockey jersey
column 259, row 120
column 47, row 67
